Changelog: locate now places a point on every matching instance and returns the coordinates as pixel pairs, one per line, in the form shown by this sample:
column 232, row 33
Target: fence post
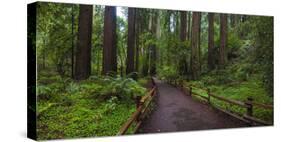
column 249, row 106
column 190, row 90
column 209, row 97
column 137, row 101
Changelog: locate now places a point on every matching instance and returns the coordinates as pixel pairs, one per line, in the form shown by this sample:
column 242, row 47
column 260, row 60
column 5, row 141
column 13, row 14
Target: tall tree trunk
column 137, row 22
column 211, row 44
column 183, row 25
column 72, row 42
column 168, row 18
column 223, row 40
column 153, row 46
column 183, row 34
column 195, row 62
column 189, row 26
column 158, row 36
column 199, row 43
column 131, row 41
column 177, row 19
column 168, row 33
column 147, row 50
column 83, row 53
column 109, row 41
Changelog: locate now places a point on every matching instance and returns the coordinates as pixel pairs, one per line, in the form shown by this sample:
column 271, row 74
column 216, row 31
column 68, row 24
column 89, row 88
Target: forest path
column 175, row 111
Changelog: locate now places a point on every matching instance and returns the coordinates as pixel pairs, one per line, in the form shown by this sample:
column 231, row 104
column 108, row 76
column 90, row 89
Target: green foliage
column 43, row 90
column 85, row 118
column 143, row 81
column 124, row 87
column 94, row 107
column 168, row 73
column 263, row 33
column 234, row 44
column 54, row 40
column 98, row 106
column 72, row 88
column 237, row 90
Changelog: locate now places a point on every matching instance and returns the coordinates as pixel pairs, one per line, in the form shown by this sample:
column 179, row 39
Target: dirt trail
column 176, row 111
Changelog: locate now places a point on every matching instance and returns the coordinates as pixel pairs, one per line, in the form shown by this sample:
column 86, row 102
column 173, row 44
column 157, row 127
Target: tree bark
column 137, row 22
column 183, row 24
column 146, row 63
column 131, row 41
column 189, row 26
column 153, row 46
column 72, row 42
column 109, row 41
column 183, row 34
column 211, row 44
column 169, row 33
column 199, row 42
column 83, row 53
column 195, row 62
column 223, row 40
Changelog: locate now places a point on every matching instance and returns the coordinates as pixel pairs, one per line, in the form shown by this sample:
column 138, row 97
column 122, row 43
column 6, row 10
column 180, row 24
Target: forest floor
column 175, row 111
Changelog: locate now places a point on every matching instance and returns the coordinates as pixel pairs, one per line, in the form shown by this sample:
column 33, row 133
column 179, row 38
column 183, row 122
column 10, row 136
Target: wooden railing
column 142, row 105
column 248, row 104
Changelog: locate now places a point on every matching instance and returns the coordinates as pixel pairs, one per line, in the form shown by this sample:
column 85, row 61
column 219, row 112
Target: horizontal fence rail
column 142, row 104
column 248, row 104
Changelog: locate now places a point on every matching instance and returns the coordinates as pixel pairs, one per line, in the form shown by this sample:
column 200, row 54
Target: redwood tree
column 72, row 42
column 199, row 42
column 211, row 44
column 83, row 53
column 189, row 26
column 195, row 62
column 183, row 35
column 137, row 29
column 109, row 41
column 223, row 40
column 131, row 41
column 153, row 45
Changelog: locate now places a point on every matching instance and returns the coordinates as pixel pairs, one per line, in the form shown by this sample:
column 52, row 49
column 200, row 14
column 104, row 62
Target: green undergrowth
column 143, row 81
column 240, row 91
column 97, row 106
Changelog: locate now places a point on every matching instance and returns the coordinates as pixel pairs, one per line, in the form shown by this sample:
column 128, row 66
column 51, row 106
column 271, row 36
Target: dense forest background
column 92, row 60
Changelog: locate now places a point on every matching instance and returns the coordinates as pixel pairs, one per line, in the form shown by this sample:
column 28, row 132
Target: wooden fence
column 142, row 105
column 248, row 104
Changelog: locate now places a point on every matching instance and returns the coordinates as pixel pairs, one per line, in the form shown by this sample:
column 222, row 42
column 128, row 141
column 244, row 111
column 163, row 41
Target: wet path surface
column 175, row 111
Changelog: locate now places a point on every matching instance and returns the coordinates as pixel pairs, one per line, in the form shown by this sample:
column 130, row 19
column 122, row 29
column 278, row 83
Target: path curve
column 175, row 111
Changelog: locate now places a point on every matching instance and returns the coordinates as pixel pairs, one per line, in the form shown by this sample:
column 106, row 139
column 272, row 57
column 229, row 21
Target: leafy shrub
column 43, row 90
column 72, row 88
column 80, row 106
column 233, row 45
column 143, row 81
column 122, row 87
column 92, row 89
column 110, row 105
column 168, row 73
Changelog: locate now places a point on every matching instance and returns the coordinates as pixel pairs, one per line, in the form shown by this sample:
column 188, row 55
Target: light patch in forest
column 120, row 12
